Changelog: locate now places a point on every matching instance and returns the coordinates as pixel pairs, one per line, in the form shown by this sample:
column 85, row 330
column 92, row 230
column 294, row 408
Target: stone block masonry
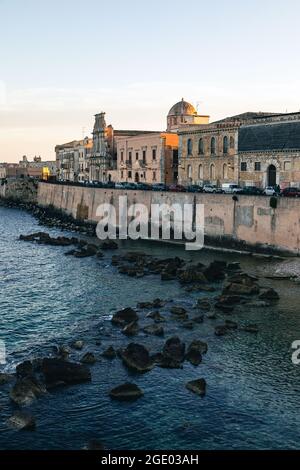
column 248, row 223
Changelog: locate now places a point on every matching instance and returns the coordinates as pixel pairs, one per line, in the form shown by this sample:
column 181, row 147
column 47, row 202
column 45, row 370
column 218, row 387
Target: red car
column 290, row 192
column 177, row 188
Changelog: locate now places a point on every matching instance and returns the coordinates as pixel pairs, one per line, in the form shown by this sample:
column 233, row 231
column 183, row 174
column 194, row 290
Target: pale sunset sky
column 62, row 61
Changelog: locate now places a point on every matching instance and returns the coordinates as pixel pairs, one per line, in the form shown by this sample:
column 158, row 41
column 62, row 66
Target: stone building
column 148, row 158
column 269, row 151
column 153, row 158
column 72, row 160
column 249, row 149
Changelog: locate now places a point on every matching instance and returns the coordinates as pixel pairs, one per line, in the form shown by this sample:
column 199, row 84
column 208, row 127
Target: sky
column 62, row 61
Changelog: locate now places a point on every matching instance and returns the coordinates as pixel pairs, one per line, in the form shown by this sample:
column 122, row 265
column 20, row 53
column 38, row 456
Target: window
column 129, row 174
column 225, row 144
column 212, row 173
column 287, row 166
column 232, row 142
column 122, row 174
column 200, row 172
column 154, row 176
column 130, row 156
column 189, row 147
column 122, row 156
column 201, row 147
column 153, row 154
column 137, row 156
column 257, row 166
column 189, row 171
column 144, row 156
column 243, row 166
column 225, row 171
column 213, row 146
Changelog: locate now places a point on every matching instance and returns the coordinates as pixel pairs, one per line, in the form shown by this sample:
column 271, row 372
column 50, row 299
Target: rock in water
column 25, row 369
column 109, row 353
column 269, row 294
column 88, row 358
column 173, row 353
column 131, row 329
column 136, row 357
column 197, row 386
column 155, row 330
column 77, row 345
column 22, row 421
column 6, row 378
column 124, row 317
column 127, row 391
column 221, row 330
column 251, row 328
column 25, row 391
column 59, row 372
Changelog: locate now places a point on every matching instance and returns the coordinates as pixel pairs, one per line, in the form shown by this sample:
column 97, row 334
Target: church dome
column 182, row 108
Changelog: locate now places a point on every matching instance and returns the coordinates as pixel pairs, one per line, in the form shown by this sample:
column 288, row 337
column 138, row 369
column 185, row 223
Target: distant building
column 34, row 169
column 2, row 171
column 72, row 160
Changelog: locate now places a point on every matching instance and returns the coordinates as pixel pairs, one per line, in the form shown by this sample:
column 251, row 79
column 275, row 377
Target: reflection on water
column 46, row 299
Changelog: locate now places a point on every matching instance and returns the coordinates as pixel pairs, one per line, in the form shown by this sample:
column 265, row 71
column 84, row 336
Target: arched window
column 189, row 146
column 225, row 171
column 200, row 172
column 225, row 144
column 189, row 171
column 232, row 142
column 213, row 146
column 201, row 147
column 212, row 173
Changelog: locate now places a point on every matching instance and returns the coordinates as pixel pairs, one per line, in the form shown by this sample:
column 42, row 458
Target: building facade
column 72, row 160
column 148, row 158
column 251, row 149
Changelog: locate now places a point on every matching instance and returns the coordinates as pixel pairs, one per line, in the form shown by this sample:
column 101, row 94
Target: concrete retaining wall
column 249, row 222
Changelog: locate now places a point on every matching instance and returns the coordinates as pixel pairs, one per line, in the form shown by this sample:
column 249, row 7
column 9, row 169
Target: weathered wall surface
column 250, row 220
column 19, row 190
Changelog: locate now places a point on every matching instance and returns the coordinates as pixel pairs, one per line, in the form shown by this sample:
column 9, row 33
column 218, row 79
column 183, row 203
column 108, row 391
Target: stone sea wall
column 18, row 189
column 248, row 223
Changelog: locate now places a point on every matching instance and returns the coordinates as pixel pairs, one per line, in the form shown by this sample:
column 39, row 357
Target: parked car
column 159, row 187
column 270, row 191
column 194, row 188
column 144, row 186
column 212, row 188
column 120, row 185
column 290, row 192
column 131, row 186
column 252, row 191
column 178, row 188
column 231, row 188
column 109, row 184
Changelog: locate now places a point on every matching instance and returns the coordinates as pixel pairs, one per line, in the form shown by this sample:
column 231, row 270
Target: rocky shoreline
column 227, row 289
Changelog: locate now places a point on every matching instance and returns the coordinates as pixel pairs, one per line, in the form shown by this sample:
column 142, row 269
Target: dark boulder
column 156, row 316
column 136, row 357
column 26, row 390
column 127, row 391
column 269, row 294
column 124, row 317
column 173, row 353
column 109, row 245
column 22, row 421
column 179, row 311
column 215, row 271
column 131, row 329
column 59, row 372
column 109, row 353
column 197, row 386
column 88, row 358
column 25, row 369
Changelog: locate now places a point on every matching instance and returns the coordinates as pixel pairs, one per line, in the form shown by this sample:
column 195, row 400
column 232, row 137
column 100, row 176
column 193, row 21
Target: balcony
column 142, row 163
column 129, row 163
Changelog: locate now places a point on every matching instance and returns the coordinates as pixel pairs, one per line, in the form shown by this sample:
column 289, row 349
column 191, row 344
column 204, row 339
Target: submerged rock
column 88, row 358
column 127, row 391
column 124, row 317
column 221, row 330
column 136, row 357
column 156, row 316
column 109, row 353
column 24, row 369
column 22, row 421
column 26, row 390
column 173, row 353
column 59, row 372
column 197, row 386
column 109, row 245
column 78, row 345
column 269, row 294
column 179, row 312
column 131, row 329
column 251, row 328
column 6, row 378
column 155, row 330
column 231, row 325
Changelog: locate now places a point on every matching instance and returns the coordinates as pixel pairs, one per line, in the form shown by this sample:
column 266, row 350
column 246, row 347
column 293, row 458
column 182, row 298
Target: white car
column 269, row 191
column 211, row 188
